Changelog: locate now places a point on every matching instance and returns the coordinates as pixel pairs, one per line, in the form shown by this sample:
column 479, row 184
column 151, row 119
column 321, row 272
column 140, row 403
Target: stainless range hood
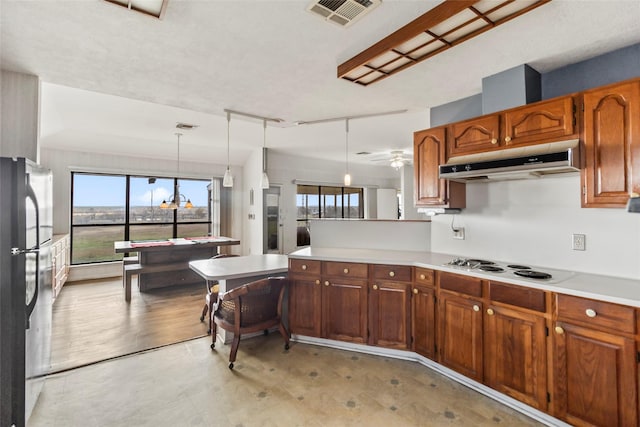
column 514, row 163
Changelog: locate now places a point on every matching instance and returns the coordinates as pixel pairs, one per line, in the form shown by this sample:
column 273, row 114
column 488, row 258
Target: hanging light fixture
column 347, row 177
column 264, row 182
column 175, row 201
column 227, row 181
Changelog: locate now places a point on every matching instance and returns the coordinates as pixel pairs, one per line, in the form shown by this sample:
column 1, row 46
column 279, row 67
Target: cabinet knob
column 415, row 291
column 507, row 138
column 392, row 274
column 494, row 141
column 559, row 330
column 422, row 277
column 476, row 307
column 375, row 287
column 317, row 281
column 346, row 271
column 590, row 312
column 304, row 266
column 326, row 283
column 490, row 311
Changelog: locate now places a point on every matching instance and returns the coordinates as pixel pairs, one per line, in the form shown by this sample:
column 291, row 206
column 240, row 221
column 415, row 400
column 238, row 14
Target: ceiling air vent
column 343, row 12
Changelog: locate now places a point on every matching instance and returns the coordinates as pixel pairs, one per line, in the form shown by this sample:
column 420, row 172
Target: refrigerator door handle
column 32, row 304
column 18, row 251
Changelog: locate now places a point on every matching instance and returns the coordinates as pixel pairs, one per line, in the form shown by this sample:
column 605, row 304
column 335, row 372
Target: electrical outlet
column 579, row 242
column 458, row 233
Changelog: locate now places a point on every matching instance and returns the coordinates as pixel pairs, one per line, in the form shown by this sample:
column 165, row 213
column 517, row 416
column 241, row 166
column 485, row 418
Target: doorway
column 272, row 227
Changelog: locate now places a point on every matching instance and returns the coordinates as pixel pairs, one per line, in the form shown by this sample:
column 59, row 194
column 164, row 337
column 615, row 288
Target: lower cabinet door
column 460, row 342
column 344, row 310
column 423, row 321
column 595, row 376
column 389, row 314
column 515, row 355
column 304, row 306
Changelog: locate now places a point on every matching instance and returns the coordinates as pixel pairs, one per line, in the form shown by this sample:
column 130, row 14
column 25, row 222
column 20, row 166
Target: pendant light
column 264, row 182
column 175, row 201
column 347, row 177
column 227, row 181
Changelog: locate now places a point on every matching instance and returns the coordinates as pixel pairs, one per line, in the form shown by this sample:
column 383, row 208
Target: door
column 595, row 377
column 344, row 310
column 460, row 347
column 423, row 319
column 389, row 314
column 272, row 228
column 305, row 313
column 515, row 355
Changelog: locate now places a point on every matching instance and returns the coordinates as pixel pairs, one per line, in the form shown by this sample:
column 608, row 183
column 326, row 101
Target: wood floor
column 92, row 321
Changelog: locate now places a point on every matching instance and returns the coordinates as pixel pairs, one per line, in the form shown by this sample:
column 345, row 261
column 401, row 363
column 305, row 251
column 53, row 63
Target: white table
column 232, row 272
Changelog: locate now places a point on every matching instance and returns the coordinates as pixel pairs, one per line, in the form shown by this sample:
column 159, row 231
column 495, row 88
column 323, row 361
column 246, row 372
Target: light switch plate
column 579, row 242
column 458, row 233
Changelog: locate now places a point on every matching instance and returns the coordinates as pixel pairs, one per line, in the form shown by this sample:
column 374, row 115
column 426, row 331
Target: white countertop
column 605, row 288
column 240, row 267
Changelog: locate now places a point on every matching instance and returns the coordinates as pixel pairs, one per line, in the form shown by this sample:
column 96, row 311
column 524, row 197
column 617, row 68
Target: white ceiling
column 116, row 81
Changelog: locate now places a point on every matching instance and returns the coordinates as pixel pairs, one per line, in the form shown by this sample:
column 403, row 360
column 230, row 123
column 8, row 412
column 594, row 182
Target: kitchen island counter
column 600, row 287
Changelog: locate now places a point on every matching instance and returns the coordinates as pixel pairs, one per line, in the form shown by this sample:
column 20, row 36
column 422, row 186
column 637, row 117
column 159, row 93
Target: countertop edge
column 585, row 285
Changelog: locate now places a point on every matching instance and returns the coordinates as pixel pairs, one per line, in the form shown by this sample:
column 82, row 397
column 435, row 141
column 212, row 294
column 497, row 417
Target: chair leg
column 234, row 349
column 211, row 302
column 205, row 309
column 285, row 334
column 214, row 331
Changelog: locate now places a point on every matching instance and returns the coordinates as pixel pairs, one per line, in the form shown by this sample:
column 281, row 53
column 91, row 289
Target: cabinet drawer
column 303, row 266
column 424, row 276
column 458, row 283
column 345, row 269
column 398, row 273
column 532, row 299
column 600, row 314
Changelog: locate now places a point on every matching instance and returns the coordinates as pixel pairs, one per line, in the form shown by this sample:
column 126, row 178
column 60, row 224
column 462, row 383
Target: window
column 108, row 208
column 317, row 201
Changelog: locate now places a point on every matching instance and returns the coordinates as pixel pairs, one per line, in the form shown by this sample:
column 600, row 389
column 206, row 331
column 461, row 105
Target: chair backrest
column 257, row 301
column 223, row 256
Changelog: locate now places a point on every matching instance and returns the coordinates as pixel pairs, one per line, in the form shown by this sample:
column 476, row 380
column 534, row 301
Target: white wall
column 387, row 203
column 19, row 115
column 531, row 221
column 252, row 218
column 283, row 169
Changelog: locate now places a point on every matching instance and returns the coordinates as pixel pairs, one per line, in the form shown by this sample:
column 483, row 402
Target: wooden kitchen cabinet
column 460, row 308
column 611, row 135
column 540, row 122
column 60, row 250
column 595, row 363
column 423, row 313
column 345, row 301
column 305, row 292
column 390, row 306
column 429, row 151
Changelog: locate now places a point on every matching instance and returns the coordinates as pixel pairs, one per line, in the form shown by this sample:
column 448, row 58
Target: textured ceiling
column 116, row 81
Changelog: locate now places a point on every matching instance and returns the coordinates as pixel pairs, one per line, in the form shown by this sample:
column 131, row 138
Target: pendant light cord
column 228, row 130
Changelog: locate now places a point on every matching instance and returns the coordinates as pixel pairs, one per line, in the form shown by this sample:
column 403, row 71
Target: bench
column 130, row 269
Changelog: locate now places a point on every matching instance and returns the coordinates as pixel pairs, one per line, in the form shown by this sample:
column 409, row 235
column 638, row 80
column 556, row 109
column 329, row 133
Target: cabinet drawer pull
column 326, row 283
column 422, row 277
column 507, row 138
column 590, row 312
column 392, row 274
column 476, row 307
column 415, row 291
column 494, row 141
column 559, row 330
column 304, row 266
column 490, row 311
column 317, row 281
column 375, row 287
column 346, row 271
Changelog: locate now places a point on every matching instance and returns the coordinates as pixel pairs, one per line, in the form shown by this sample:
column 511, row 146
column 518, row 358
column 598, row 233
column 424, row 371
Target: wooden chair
column 212, row 288
column 252, row 307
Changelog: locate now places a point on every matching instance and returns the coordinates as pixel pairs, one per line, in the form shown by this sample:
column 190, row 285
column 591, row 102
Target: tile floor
column 187, row 384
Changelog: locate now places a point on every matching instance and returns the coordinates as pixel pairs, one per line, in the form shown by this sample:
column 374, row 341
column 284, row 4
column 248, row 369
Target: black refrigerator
column 26, row 228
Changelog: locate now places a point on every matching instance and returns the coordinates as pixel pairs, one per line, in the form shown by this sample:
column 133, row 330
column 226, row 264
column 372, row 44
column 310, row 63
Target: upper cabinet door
column 475, row 135
column 612, row 145
column 539, row 122
column 428, row 153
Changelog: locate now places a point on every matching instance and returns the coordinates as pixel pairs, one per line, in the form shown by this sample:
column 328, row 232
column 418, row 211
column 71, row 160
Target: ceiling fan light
column 397, row 163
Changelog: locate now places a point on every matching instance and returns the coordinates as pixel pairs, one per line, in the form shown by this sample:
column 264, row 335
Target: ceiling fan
column 396, row 159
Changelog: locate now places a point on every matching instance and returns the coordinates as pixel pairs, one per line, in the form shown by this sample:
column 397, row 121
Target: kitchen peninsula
column 165, row 262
